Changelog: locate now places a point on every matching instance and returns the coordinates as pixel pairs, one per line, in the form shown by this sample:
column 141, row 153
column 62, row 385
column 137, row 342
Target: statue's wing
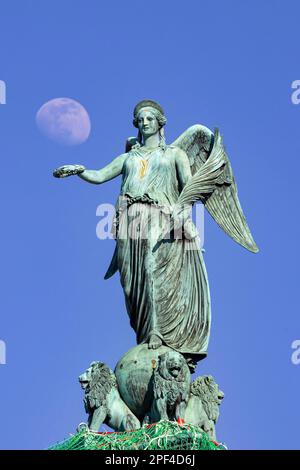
column 213, row 183
column 130, row 142
column 197, row 142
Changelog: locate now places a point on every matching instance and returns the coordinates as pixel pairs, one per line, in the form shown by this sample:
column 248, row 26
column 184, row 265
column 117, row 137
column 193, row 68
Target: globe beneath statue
column 134, row 374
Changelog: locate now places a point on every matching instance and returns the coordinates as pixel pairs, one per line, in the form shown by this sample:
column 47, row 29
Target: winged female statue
column 164, row 278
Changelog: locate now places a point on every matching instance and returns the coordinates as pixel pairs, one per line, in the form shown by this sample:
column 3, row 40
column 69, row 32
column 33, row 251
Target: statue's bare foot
column 155, row 342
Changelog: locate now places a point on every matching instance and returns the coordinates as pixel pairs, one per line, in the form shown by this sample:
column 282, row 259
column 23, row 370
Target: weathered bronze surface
column 161, row 265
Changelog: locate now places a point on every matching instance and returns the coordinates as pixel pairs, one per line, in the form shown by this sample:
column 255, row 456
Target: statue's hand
column 68, row 170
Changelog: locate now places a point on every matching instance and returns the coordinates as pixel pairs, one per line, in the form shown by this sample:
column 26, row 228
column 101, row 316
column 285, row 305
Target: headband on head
column 147, row 104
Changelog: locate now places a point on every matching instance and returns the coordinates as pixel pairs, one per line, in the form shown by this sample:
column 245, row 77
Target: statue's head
column 97, row 382
column 149, row 118
column 172, row 366
column 210, row 394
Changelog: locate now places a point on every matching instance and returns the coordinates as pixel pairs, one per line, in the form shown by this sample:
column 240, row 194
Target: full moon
column 64, row 121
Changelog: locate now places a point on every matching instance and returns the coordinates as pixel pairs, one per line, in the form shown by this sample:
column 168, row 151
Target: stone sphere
column 134, row 372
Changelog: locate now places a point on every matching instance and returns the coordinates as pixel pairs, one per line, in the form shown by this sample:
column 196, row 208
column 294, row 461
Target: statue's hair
column 208, row 390
column 147, row 104
column 161, row 119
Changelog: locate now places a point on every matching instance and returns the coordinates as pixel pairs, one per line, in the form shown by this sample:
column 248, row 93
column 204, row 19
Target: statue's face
column 85, row 378
column 174, row 364
column 147, row 122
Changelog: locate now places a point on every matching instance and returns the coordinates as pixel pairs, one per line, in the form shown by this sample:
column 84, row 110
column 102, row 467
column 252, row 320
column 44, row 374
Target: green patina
column 163, row 276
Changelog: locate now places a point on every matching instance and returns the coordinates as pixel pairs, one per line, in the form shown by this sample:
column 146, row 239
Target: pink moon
column 64, row 120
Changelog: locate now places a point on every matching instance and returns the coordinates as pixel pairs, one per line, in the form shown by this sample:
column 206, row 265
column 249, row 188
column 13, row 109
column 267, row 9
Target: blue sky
column 224, row 63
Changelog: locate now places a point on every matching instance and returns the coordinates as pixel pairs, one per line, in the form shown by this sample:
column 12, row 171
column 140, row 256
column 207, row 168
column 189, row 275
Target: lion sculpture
column 171, row 388
column 203, row 406
column 102, row 400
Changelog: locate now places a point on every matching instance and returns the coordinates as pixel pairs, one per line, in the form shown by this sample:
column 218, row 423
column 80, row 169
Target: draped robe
column 165, row 283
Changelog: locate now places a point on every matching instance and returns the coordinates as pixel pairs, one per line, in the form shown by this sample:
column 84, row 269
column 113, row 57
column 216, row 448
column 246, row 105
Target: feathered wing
column 213, row 183
column 197, row 142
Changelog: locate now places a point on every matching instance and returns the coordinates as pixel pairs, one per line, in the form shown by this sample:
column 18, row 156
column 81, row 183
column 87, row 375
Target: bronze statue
column 165, row 283
column 163, row 275
column 102, row 400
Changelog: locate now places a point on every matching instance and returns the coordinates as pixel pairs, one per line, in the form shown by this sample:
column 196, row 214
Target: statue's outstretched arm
column 110, row 171
column 107, row 173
